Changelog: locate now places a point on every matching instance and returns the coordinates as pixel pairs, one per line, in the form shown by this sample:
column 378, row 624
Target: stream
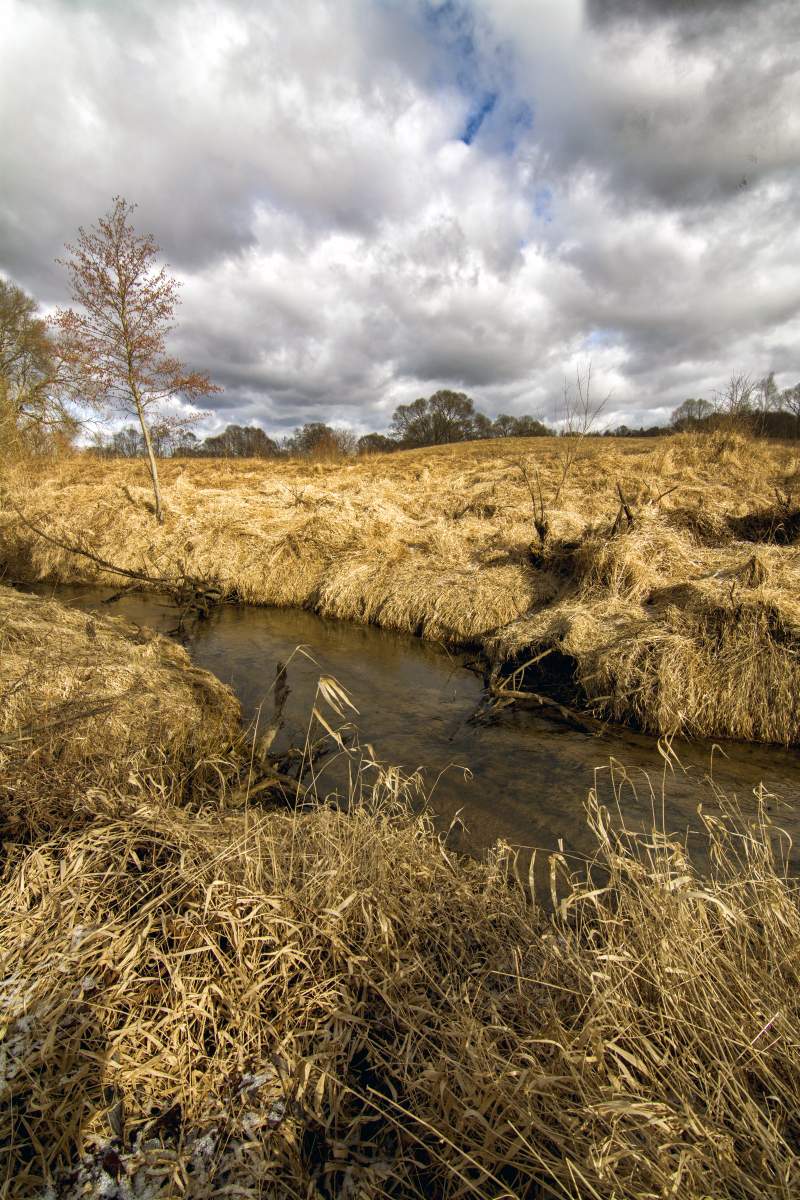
column 520, row 776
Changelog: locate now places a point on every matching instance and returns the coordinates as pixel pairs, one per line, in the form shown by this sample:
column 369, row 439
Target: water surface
column 523, row 776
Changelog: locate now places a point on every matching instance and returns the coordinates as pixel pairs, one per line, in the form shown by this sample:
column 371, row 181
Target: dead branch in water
column 81, row 551
column 546, row 705
column 290, row 789
column 509, row 692
column 271, row 772
column 194, row 596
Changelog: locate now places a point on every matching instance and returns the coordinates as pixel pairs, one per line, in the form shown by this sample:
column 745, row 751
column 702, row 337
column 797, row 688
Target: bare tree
column 375, row 443
column 693, row 413
column 579, row 413
column 790, row 403
column 114, row 347
column 317, row 440
column 738, row 398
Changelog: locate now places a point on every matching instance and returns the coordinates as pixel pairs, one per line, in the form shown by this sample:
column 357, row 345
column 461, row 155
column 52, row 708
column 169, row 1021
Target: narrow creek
column 521, row 776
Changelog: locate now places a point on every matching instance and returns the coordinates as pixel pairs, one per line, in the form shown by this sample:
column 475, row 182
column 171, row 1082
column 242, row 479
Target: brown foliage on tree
column 114, row 346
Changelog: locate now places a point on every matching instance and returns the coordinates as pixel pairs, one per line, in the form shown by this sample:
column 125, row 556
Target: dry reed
column 328, row 1003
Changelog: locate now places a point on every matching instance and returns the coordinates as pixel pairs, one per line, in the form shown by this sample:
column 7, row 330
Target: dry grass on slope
column 663, row 623
column 328, row 1004
column 93, row 703
column 674, row 637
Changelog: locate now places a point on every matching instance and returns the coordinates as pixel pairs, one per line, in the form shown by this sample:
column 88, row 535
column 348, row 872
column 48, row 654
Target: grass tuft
column 93, row 709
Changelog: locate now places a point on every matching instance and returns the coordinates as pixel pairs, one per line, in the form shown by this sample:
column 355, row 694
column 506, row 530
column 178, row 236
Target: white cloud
column 629, row 192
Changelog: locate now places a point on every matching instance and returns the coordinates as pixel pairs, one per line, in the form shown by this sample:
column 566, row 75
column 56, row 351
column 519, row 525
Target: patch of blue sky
column 474, row 63
column 543, row 204
column 450, row 26
column 477, row 117
column 600, row 337
column 518, row 120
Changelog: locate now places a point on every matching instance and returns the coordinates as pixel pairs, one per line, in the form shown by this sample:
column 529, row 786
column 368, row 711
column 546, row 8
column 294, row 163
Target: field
column 204, row 995
column 655, row 582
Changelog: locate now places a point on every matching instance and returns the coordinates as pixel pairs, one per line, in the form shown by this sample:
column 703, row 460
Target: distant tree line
column 752, row 406
column 632, row 431
column 757, row 407
column 235, row 441
column 445, row 417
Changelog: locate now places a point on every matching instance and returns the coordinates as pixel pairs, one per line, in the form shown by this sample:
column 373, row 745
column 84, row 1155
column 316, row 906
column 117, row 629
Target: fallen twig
column 624, row 510
column 505, row 696
column 26, row 733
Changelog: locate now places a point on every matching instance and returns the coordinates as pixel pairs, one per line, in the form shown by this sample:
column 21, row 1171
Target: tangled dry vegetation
column 326, row 1002
column 678, row 614
column 87, row 704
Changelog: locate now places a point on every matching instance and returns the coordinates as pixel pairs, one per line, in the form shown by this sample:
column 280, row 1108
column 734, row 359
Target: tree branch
column 83, row 553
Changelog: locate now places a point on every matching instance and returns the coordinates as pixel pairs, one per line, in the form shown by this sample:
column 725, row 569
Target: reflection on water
column 527, row 775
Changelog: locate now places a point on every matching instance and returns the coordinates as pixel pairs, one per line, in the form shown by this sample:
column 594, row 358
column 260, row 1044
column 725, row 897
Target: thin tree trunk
column 134, row 390
column 151, row 462
column 148, row 443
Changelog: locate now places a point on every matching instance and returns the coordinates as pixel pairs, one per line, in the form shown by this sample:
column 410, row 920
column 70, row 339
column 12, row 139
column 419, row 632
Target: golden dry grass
column 328, row 1003
column 88, row 703
column 687, row 621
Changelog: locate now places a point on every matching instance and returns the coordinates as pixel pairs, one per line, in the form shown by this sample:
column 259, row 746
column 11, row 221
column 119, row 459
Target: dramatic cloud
column 369, row 199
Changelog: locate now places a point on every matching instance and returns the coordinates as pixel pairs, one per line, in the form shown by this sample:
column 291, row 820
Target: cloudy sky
column 367, row 200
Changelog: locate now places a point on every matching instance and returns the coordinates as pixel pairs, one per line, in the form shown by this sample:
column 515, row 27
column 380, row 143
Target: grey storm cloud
column 368, row 199
column 606, row 11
